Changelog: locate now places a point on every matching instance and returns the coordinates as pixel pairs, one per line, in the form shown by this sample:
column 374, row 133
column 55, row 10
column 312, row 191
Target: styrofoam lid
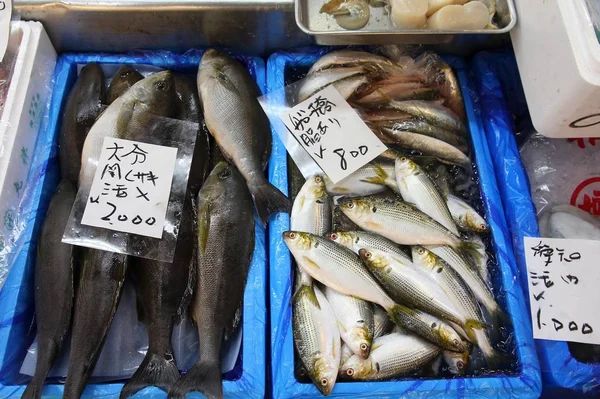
column 581, row 19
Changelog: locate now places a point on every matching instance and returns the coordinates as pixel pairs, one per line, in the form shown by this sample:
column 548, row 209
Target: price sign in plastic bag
column 131, row 188
column 332, row 133
column 564, row 288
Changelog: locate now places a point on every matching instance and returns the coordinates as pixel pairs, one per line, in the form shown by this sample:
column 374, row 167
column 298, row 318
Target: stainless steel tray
column 380, row 30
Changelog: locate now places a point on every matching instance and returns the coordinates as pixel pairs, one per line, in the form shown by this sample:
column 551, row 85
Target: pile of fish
column 392, row 272
column 417, row 14
column 216, row 233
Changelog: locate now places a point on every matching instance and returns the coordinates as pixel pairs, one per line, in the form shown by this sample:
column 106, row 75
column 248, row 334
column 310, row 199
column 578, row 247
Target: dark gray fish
column 240, row 127
column 98, row 295
column 83, row 107
column 54, row 271
column 189, row 109
column 165, row 289
column 225, row 246
column 125, row 77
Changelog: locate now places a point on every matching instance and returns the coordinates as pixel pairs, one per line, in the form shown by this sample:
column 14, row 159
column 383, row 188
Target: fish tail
column 381, row 177
column 499, row 318
column 470, row 326
column 35, row 387
column 42, row 368
column 494, row 359
column 268, row 199
column 469, row 251
column 156, row 370
column 203, row 377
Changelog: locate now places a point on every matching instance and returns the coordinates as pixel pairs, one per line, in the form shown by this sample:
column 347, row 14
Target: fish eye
column 324, row 381
column 482, row 226
column 318, row 179
column 333, row 236
column 225, row 174
column 161, row 85
column 350, row 372
column 455, row 341
column 349, row 205
column 292, row 235
column 403, row 159
column 420, row 251
column 368, row 255
column 460, row 364
column 363, row 347
column 125, row 74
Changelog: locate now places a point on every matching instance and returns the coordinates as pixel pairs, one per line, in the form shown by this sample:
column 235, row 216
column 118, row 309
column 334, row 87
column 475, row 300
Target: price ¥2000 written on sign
column 563, row 280
column 131, row 188
column 332, row 133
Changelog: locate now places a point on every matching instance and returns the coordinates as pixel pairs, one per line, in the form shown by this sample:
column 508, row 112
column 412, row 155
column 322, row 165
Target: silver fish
column 392, row 355
column 316, row 337
column 435, row 114
column 347, row 58
column 382, row 324
column 416, row 187
column 425, row 145
column 398, row 221
column 239, row 125
column 321, row 79
column 357, row 240
column 339, row 268
column 479, row 258
column 420, row 126
column 465, row 216
column 355, row 321
column 457, row 362
column 471, row 277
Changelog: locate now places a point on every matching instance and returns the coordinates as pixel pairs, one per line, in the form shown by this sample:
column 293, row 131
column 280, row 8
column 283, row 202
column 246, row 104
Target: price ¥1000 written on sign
column 131, row 188
column 332, row 133
column 563, row 280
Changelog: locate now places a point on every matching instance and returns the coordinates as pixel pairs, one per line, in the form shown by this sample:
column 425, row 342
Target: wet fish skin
column 420, row 126
column 354, row 319
column 339, row 268
column 382, row 324
column 465, row 216
column 398, row 221
column 98, row 295
column 165, row 290
column 424, row 144
column 84, row 104
column 239, row 125
column 319, row 80
column 393, row 355
column 458, row 362
column 435, row 114
column 125, row 77
column 54, row 286
column 357, row 240
column 417, row 188
column 347, row 58
column 316, row 337
column 406, row 284
column 225, row 247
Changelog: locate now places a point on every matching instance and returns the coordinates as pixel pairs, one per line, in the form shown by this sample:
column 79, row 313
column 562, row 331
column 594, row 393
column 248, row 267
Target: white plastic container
column 558, row 54
column 26, row 103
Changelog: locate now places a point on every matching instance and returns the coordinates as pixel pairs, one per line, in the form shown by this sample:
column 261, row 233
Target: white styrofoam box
column 26, row 103
column 558, row 55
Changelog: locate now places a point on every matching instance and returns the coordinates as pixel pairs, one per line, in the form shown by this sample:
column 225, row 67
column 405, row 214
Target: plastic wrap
column 247, row 379
column 523, row 381
column 552, row 175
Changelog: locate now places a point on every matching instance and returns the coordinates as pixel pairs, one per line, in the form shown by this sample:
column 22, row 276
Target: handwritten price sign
column 564, row 293
column 332, row 133
column 131, row 188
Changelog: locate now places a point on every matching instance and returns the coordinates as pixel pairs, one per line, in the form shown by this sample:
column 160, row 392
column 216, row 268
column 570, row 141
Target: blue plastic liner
column 496, row 75
column 525, row 382
column 247, row 380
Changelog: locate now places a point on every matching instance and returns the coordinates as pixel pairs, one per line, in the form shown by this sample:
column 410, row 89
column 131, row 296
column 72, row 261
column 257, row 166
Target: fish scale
column 357, row 240
column 398, row 221
column 393, row 355
column 416, row 187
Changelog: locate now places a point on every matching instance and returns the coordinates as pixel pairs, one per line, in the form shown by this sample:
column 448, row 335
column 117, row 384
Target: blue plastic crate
column 16, row 297
column 496, row 76
column 523, row 383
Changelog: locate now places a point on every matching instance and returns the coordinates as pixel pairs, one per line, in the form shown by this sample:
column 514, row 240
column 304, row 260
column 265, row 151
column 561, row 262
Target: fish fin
column 472, row 325
column 268, row 199
column 397, row 312
column 203, row 377
column 310, row 262
column 309, row 291
column 203, row 225
column 468, row 250
column 381, row 177
column 156, row 370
